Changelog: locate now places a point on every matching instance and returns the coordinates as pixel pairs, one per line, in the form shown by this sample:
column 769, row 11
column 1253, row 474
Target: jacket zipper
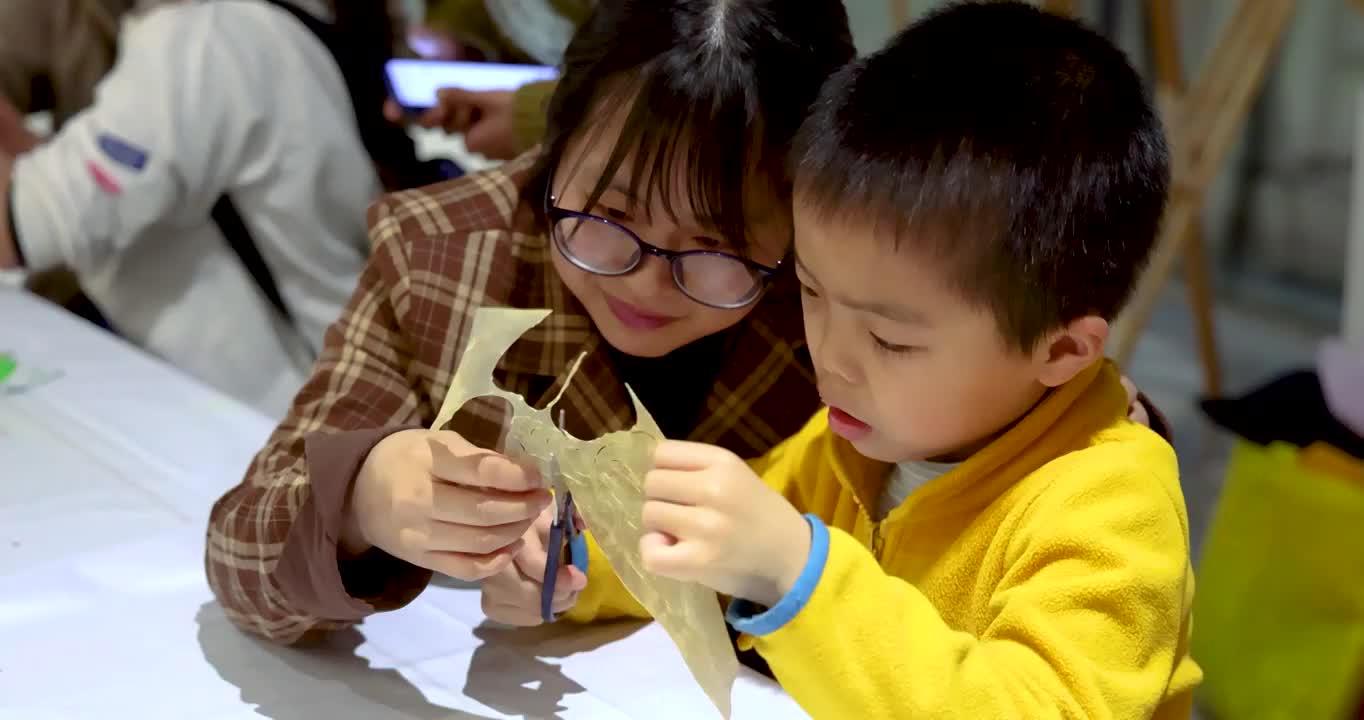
column 876, row 541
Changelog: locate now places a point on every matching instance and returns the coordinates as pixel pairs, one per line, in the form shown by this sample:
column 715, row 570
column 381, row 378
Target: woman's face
column 644, row 313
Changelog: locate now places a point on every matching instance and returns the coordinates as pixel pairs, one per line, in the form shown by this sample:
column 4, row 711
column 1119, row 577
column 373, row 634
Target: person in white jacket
column 212, row 199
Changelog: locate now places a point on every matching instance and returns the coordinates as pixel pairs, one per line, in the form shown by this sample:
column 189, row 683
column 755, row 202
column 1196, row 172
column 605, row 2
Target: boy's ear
column 1071, row 349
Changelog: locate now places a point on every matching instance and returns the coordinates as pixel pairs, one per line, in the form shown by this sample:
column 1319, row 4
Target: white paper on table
column 114, row 396
column 134, row 628
column 63, row 491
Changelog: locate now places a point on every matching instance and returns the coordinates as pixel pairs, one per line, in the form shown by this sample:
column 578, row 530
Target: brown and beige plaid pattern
column 440, row 253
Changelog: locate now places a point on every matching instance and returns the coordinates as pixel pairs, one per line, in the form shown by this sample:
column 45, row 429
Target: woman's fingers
column 485, row 507
column 513, row 597
column 473, row 540
column 455, row 461
column 469, row 567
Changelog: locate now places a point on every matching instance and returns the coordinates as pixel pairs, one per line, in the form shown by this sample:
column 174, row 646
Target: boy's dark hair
column 721, row 85
column 1016, row 147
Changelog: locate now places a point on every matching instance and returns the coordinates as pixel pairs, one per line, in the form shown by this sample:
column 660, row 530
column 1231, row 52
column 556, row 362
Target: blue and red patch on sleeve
column 120, row 151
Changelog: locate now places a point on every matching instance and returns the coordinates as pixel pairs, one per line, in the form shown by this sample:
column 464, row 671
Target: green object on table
column 7, row 366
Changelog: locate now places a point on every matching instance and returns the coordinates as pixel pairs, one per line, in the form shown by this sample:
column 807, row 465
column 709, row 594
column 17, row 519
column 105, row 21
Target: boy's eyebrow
column 889, row 311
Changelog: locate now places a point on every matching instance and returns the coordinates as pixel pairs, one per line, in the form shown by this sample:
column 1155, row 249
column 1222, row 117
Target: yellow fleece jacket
column 1047, row 576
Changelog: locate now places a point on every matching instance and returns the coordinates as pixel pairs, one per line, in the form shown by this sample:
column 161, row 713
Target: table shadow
column 491, row 683
column 325, row 679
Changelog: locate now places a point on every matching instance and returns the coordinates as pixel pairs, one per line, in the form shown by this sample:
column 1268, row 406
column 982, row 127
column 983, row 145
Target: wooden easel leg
column 1170, row 79
column 1202, row 129
column 1199, row 279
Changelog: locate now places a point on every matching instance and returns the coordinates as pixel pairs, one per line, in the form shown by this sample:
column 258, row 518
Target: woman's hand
column 433, row 499
column 512, row 596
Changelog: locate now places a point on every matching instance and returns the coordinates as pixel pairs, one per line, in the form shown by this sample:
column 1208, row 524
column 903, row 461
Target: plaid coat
column 440, row 253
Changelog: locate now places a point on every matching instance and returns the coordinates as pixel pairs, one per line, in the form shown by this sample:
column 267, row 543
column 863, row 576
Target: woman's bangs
column 712, row 144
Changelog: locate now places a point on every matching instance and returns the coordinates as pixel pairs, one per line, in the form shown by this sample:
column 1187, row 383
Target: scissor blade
column 556, row 485
column 556, row 482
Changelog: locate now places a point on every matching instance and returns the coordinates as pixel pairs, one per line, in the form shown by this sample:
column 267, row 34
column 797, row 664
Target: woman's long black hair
column 720, row 85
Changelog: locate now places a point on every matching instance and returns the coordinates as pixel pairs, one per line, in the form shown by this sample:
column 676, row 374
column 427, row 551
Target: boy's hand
column 512, row 596
column 709, row 518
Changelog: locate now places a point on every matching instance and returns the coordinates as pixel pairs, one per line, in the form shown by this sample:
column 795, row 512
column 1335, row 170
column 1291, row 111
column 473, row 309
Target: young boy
column 986, row 535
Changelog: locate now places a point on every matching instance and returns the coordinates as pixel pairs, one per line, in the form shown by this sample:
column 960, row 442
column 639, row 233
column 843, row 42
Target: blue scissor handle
column 561, row 534
column 555, row 552
column 577, row 552
column 577, row 542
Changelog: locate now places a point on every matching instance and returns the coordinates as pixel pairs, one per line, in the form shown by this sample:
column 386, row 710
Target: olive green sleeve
column 468, row 22
column 576, row 11
column 528, row 113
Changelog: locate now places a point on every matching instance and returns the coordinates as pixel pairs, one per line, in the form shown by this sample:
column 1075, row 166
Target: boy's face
column 910, row 370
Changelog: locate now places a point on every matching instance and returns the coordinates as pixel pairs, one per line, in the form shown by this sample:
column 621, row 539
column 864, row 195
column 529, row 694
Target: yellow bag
column 1279, row 610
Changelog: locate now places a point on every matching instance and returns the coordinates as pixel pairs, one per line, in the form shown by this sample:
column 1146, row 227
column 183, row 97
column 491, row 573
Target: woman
column 653, row 223
column 170, row 199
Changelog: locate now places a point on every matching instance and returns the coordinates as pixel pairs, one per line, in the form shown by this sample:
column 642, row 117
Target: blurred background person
column 498, row 124
column 52, row 54
column 211, row 200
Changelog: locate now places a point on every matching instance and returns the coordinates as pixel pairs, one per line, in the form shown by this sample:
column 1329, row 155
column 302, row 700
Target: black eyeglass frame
column 554, row 214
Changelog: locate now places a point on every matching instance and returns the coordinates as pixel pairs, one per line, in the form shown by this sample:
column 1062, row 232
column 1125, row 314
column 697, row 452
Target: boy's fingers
column 663, row 556
column 682, row 487
column 676, row 521
column 682, row 455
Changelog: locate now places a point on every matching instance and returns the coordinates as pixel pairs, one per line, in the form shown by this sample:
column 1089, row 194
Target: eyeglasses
column 602, row 247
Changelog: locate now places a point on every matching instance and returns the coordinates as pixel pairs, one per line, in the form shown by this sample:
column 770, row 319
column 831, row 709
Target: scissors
column 566, row 541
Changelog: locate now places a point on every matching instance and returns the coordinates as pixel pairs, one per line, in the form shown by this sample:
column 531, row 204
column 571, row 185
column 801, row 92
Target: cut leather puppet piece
column 606, row 477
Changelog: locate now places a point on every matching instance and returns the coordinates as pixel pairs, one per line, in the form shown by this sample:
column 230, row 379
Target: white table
column 106, row 477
